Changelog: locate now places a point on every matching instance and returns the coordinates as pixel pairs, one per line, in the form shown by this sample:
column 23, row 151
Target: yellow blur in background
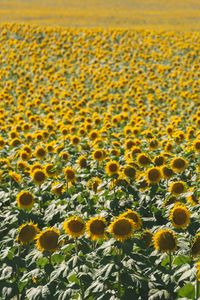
column 138, row 14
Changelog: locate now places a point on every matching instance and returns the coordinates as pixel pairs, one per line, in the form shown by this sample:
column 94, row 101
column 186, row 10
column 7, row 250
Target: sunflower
column 154, row 175
column 159, row 160
column 122, row 228
column 15, row 176
column 50, row 170
column 38, row 176
column 82, row 162
column 165, row 240
column 27, row 233
column 95, row 228
column 177, row 187
column 98, row 155
column 196, row 145
column 143, row 160
column 179, row 216
column 170, row 200
column 74, row 226
column 112, row 167
column 134, row 216
column 57, row 188
column 146, row 237
column 47, row 240
column 69, row 174
column 193, row 199
column 94, row 183
column 195, row 249
column 167, row 173
column 129, row 172
column 25, row 200
column 178, row 164
column 40, row 152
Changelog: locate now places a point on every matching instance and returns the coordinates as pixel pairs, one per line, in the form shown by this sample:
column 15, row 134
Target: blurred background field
column 138, row 14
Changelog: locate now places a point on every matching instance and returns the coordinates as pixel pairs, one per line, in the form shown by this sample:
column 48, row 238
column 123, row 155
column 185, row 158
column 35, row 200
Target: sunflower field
column 99, row 164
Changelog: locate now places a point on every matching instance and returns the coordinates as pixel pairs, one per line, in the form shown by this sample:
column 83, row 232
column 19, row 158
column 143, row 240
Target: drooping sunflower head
column 74, row 226
column 178, row 164
column 27, row 233
column 165, row 240
column 70, row 174
column 170, row 200
column 94, row 183
column 47, row 240
column 95, row 228
column 195, row 249
column 193, row 199
column 25, row 200
column 179, row 216
column 122, row 228
column 153, row 175
column 57, row 188
column 50, row 170
column 38, row 176
column 112, row 167
column 146, row 237
column 134, row 216
column 177, row 187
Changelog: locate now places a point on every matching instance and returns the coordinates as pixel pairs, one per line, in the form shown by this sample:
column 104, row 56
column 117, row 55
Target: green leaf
column 57, row 258
column 42, row 261
column 181, row 260
column 187, row 291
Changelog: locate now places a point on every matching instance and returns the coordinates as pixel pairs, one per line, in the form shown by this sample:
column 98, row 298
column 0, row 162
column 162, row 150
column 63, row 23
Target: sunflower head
column 25, row 200
column 134, row 216
column 50, row 170
column 70, row 174
column 47, row 240
column 143, row 160
column 146, row 237
column 122, row 228
column 112, row 167
column 154, row 175
column 95, row 228
column 57, row 188
column 74, row 226
column 167, row 172
column 98, row 155
column 129, row 172
column 38, row 176
column 40, row 152
column 177, row 187
column 179, row 216
column 27, row 233
column 165, row 240
column 82, row 162
column 195, row 249
column 178, row 164
column 15, row 176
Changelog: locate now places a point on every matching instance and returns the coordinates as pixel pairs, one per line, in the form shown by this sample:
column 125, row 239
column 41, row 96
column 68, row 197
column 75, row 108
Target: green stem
column 119, row 275
column 80, row 281
column 170, row 263
column 76, row 246
column 197, row 290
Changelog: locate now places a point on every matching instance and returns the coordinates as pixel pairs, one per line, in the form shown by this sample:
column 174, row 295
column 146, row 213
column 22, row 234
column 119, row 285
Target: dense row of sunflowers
column 99, row 156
